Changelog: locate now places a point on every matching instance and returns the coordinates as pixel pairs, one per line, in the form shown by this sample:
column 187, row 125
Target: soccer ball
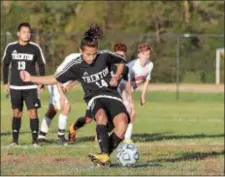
column 127, row 155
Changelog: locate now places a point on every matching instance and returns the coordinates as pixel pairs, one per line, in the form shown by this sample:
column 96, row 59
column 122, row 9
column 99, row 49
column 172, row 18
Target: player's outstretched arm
column 47, row 80
column 144, row 90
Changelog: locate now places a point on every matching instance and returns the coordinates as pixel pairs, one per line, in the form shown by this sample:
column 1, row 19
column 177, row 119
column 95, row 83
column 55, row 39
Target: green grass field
column 184, row 137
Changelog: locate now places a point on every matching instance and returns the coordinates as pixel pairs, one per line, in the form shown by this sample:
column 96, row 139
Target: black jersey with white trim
column 94, row 77
column 22, row 57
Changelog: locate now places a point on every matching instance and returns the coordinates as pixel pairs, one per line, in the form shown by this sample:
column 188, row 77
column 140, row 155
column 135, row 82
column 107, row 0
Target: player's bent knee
column 124, row 118
column 66, row 108
column 121, row 126
column 17, row 113
column 121, row 120
column 32, row 113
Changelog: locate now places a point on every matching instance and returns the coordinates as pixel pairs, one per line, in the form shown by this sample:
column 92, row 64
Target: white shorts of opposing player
column 62, row 120
column 55, row 100
column 126, row 101
column 55, row 97
column 124, row 94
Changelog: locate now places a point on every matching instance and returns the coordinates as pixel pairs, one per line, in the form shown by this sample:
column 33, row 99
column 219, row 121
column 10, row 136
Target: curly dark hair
column 91, row 36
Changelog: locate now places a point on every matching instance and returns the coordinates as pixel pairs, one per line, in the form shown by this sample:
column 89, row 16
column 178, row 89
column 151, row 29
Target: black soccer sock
column 16, row 124
column 114, row 141
column 34, row 126
column 103, row 138
column 61, row 133
column 80, row 122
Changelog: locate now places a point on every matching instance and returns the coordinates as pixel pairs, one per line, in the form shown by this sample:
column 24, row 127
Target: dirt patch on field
column 43, row 165
column 186, row 87
column 40, row 159
column 213, row 166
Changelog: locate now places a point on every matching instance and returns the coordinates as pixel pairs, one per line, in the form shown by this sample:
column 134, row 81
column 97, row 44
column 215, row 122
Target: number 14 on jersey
column 101, row 83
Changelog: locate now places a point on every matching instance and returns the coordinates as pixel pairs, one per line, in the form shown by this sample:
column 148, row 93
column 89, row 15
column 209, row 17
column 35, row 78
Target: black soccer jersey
column 22, row 57
column 94, row 77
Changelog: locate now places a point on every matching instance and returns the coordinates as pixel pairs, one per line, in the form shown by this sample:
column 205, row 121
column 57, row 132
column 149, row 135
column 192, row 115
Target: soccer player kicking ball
column 58, row 102
column 103, row 101
column 120, row 49
column 23, row 55
column 139, row 72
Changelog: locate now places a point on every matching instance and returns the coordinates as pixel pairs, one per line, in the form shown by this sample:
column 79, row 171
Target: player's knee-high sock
column 62, row 124
column 103, row 138
column 114, row 141
column 46, row 121
column 34, row 125
column 79, row 123
column 16, row 124
column 129, row 131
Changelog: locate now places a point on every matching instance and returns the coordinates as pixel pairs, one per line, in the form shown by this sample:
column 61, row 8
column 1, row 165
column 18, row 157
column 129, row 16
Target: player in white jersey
column 58, row 102
column 139, row 72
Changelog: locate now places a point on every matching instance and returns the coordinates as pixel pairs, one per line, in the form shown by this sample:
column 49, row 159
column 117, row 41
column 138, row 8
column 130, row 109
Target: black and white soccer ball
column 127, row 155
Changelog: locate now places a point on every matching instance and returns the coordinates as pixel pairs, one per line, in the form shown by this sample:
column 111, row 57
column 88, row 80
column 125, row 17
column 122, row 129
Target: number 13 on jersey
column 21, row 65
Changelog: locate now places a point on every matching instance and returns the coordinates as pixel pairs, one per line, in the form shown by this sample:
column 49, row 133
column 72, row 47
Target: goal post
column 219, row 53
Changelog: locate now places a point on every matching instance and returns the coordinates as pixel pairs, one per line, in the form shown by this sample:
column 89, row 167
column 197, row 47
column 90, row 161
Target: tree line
column 59, row 26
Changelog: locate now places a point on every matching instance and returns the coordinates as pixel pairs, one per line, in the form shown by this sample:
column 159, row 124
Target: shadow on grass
column 92, row 138
column 10, row 133
column 85, row 139
column 48, row 141
column 190, row 156
column 138, row 165
column 142, row 137
column 145, row 137
column 78, row 140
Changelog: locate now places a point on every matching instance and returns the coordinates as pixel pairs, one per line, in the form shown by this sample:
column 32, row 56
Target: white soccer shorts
column 55, row 96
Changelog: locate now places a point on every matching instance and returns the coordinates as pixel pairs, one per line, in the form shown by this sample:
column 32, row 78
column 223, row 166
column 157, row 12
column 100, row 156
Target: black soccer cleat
column 35, row 144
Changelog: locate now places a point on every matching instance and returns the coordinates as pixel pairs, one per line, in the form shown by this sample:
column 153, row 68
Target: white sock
column 62, row 124
column 46, row 121
column 129, row 131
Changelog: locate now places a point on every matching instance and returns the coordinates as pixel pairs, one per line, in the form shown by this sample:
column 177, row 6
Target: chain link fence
column 177, row 58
